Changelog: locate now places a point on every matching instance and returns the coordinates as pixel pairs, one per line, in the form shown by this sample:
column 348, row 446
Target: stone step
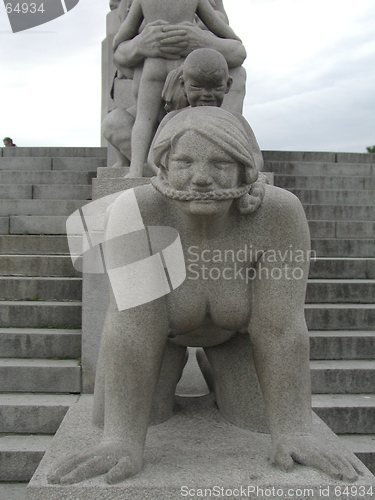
column 339, row 229
column 355, row 158
column 346, row 413
column 20, row 164
column 20, row 456
column 363, row 446
column 334, row 247
column 13, row 491
column 343, row 376
column 37, row 265
column 45, row 177
column 330, row 181
column 342, row 268
column 342, row 344
column 74, row 164
column 29, row 413
column 335, row 196
column 317, row 156
column 16, row 192
column 340, row 316
column 40, row 375
column 78, row 164
column 40, row 288
column 39, row 207
column 27, row 244
column 42, row 343
column 34, row 314
column 312, row 169
column 299, row 156
column 340, row 291
column 56, row 152
column 60, row 192
column 4, row 225
column 37, row 224
column 340, row 212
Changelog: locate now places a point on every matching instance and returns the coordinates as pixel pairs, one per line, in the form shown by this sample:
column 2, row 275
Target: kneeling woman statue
column 208, row 190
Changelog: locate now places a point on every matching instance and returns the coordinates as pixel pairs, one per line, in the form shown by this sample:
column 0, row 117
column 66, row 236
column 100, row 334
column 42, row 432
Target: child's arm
column 129, row 28
column 219, row 7
column 213, row 22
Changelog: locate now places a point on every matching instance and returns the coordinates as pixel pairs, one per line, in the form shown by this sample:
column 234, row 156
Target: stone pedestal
column 194, row 451
column 95, row 291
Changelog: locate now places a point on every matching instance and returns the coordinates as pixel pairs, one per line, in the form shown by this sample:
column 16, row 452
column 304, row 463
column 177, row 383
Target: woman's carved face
column 198, row 165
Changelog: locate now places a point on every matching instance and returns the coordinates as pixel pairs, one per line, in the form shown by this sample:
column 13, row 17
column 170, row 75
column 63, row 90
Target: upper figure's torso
column 172, row 11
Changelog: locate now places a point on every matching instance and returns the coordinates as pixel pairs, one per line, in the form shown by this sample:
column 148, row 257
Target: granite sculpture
column 246, row 246
column 171, row 43
column 155, row 70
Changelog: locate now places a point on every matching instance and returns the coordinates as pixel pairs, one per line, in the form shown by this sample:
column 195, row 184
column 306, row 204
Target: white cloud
column 311, row 72
column 310, row 65
column 51, row 79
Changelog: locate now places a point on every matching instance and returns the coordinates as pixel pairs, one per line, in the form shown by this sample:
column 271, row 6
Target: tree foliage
column 370, row 149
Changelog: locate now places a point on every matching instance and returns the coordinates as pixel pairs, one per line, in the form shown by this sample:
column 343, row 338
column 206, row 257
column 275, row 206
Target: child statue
column 155, row 70
column 205, row 81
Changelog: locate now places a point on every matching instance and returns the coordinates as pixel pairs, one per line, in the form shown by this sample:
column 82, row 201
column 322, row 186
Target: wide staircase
column 40, row 298
column 337, row 191
column 40, row 308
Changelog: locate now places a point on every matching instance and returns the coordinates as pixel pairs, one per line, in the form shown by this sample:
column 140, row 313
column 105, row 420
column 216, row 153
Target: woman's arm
column 132, row 347
column 281, row 343
column 278, row 329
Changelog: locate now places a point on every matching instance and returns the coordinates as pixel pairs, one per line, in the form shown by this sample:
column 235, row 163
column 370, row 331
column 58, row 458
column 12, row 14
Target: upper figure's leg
column 234, row 99
column 116, row 128
column 148, row 108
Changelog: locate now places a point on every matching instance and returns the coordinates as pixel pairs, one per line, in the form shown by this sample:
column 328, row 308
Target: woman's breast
column 204, row 306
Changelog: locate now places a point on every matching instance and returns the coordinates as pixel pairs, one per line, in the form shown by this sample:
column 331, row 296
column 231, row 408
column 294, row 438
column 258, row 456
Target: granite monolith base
column 194, row 451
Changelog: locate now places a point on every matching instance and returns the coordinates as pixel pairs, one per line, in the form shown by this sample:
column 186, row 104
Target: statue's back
column 172, row 11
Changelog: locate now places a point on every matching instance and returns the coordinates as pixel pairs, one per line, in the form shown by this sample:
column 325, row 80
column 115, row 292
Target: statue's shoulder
column 152, row 204
column 281, row 201
column 282, row 215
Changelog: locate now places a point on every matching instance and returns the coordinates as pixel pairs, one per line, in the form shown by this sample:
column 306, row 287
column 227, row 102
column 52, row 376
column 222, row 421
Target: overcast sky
column 310, row 67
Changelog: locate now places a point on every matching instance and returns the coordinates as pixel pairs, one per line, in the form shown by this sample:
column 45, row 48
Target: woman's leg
column 236, row 385
column 174, row 361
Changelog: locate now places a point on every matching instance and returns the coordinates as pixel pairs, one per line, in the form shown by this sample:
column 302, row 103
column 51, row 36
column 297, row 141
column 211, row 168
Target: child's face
column 206, row 89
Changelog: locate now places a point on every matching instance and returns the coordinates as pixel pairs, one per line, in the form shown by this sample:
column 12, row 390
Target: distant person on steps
column 8, row 142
